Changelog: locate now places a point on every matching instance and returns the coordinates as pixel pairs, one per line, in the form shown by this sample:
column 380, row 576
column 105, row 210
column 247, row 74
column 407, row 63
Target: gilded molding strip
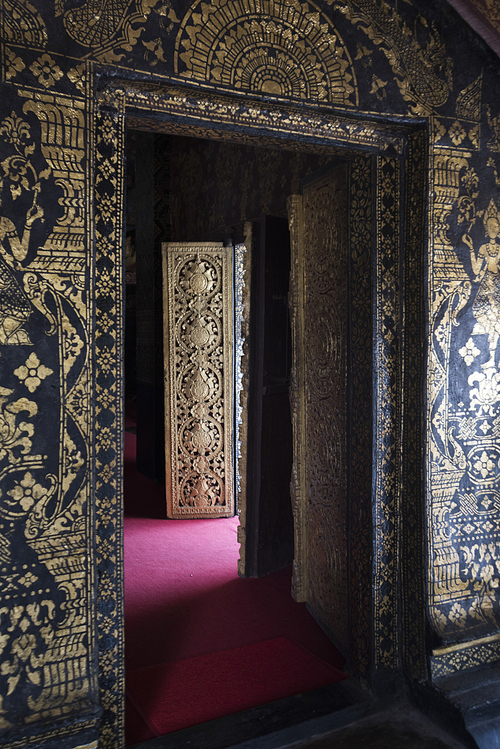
column 413, row 409
column 386, row 458
column 470, row 657
column 297, row 396
column 108, row 389
column 245, row 292
column 331, row 129
column 238, row 284
column 465, row 645
column 360, row 395
column 198, row 319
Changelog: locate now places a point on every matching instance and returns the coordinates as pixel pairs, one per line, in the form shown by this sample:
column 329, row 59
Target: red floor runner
column 171, row 696
column 184, row 599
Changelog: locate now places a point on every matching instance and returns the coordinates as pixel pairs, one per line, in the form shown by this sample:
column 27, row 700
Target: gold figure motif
column 24, row 183
column 46, row 653
column 198, row 374
column 485, row 266
column 422, row 73
column 110, row 29
column 286, row 47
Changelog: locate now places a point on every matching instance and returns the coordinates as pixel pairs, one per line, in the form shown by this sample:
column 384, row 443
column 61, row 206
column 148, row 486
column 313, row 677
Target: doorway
column 184, row 189
column 255, row 213
column 395, row 586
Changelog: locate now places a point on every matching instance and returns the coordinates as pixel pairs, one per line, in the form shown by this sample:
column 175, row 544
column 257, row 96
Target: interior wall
column 61, row 230
column 217, row 185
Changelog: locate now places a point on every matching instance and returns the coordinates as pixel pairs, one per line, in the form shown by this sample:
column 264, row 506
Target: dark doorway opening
column 183, row 189
column 186, row 189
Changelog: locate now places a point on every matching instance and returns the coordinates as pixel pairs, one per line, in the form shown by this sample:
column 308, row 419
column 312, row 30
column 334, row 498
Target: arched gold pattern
column 282, row 47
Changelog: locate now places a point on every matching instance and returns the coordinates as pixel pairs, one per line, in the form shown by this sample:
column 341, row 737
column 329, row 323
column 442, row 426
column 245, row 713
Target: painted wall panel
column 60, row 233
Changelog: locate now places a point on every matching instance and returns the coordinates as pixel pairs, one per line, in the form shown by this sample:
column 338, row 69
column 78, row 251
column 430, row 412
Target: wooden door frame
column 388, row 556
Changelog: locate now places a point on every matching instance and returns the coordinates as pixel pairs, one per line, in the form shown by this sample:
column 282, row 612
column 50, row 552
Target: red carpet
column 184, row 600
column 171, row 696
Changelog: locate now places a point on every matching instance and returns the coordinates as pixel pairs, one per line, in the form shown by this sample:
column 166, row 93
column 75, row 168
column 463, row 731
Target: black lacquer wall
column 313, row 74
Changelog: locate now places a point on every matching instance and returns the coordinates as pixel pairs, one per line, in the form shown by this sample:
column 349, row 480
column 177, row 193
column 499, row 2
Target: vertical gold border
column 108, row 286
column 295, row 208
column 386, row 442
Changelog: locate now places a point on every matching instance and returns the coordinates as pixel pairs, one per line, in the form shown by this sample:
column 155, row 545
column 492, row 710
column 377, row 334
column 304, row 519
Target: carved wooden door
column 198, row 353
column 318, row 298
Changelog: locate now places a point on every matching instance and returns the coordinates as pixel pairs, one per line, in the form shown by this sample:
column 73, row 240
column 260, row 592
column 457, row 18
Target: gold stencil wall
column 46, row 514
column 61, row 220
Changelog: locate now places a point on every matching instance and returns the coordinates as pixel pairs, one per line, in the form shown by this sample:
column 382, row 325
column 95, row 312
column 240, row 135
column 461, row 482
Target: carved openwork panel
column 198, row 379
column 319, row 299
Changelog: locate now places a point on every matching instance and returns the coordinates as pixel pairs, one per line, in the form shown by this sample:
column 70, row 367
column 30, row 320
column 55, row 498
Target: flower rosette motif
column 198, row 277
column 457, row 615
column 457, row 133
column 469, row 352
column 77, row 76
column 28, row 496
column 484, row 464
column 46, row 71
column 27, row 492
column 13, row 64
column 32, row 372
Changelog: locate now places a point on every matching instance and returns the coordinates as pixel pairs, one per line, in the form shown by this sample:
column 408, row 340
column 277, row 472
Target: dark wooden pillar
column 152, row 193
column 269, row 511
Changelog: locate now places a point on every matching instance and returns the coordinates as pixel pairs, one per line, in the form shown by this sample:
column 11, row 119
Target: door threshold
column 296, row 717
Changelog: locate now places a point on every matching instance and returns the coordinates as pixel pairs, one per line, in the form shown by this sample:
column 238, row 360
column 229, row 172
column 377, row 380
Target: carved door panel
column 199, row 392
column 318, row 224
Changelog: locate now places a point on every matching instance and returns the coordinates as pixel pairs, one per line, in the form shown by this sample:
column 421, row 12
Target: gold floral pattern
column 46, row 71
column 77, row 76
column 27, row 492
column 14, row 64
column 32, row 372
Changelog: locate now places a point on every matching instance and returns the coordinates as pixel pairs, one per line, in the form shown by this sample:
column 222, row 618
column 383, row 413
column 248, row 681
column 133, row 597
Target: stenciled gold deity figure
column 485, row 266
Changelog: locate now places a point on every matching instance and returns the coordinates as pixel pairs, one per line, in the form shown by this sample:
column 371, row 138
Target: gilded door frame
column 389, row 630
